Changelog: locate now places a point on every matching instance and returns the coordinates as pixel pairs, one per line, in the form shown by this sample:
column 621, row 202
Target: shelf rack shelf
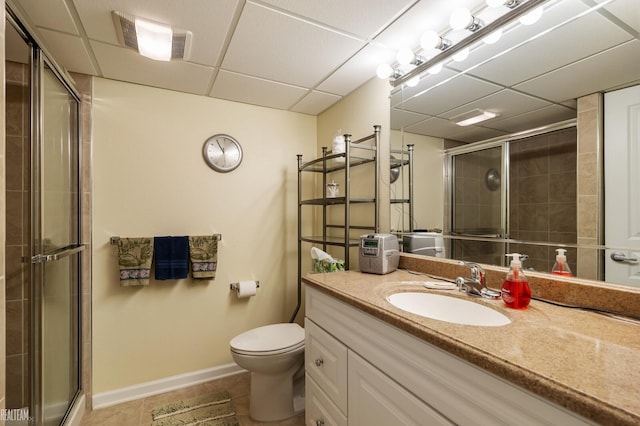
column 358, row 153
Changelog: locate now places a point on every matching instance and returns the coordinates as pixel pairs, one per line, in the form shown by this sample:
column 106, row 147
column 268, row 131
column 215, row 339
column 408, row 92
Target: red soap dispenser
column 561, row 267
column 516, row 292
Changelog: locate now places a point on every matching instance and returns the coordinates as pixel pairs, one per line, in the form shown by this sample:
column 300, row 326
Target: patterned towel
column 134, row 260
column 172, row 257
column 203, row 251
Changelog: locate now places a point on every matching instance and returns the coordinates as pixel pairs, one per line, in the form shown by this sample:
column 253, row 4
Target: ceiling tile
column 401, row 119
column 574, row 41
column 54, row 16
column 507, row 103
column 463, row 90
column 304, row 55
column 255, row 91
column 627, row 11
column 530, row 120
column 602, row 72
column 70, row 51
column 119, row 63
column 441, row 128
column 356, row 71
column 209, row 24
column 365, row 17
column 315, row 102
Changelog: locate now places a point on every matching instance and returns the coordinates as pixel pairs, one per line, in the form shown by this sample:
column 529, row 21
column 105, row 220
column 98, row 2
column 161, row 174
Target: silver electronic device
column 379, row 253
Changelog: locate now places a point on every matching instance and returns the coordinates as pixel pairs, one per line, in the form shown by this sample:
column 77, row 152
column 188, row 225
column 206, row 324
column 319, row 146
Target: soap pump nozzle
column 561, row 267
column 515, row 259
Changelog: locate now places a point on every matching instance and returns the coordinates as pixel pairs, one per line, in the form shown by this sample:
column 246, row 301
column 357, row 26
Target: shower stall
column 43, row 249
column 514, row 194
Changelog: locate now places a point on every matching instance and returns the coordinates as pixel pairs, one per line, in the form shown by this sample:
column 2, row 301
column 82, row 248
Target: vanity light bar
column 515, row 13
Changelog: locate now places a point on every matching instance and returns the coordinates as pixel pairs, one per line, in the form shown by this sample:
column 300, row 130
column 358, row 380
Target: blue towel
column 171, row 257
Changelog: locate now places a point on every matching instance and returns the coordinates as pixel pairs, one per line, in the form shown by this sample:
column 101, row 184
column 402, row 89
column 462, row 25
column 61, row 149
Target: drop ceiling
column 304, row 56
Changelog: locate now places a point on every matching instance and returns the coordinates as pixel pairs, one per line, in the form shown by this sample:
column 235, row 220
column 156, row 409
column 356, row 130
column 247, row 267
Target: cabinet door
column 375, row 399
column 319, row 410
column 326, row 362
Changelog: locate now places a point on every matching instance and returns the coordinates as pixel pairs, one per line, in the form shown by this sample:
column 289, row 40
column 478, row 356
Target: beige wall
column 150, row 179
column 428, row 184
column 356, row 114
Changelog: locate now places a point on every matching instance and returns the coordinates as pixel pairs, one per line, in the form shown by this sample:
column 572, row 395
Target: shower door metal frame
column 37, row 257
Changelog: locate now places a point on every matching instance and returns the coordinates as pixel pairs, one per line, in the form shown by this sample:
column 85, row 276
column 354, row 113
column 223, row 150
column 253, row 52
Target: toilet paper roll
column 246, row 289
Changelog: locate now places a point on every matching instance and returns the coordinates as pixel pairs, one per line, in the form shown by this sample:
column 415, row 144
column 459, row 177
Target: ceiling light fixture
column 431, row 40
column 462, row 19
column 473, row 117
column 493, row 37
column 509, row 3
column 532, row 17
column 517, row 10
column 152, row 39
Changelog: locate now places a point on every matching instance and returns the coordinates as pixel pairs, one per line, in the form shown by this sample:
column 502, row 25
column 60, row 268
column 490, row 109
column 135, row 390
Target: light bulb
column 413, row 82
column 532, row 17
column 405, row 56
column 461, row 55
column 154, row 40
column 460, row 18
column 384, row 71
column 435, row 69
column 493, row 37
column 495, row 3
column 430, row 40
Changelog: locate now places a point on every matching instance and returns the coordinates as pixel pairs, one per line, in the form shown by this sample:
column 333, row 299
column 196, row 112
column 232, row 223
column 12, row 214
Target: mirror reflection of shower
column 537, row 203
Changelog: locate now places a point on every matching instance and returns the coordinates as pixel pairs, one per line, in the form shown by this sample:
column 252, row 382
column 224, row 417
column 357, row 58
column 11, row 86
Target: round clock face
column 222, row 153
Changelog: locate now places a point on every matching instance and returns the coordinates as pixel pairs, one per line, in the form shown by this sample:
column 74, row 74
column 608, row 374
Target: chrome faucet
column 476, row 284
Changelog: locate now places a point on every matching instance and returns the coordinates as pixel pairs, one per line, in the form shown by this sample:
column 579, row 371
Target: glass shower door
column 56, row 264
column 478, row 205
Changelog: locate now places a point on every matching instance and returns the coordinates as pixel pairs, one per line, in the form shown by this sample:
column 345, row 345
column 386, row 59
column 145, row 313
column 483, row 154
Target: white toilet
column 273, row 354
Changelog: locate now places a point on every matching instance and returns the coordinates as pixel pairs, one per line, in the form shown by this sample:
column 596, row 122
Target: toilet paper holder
column 234, row 286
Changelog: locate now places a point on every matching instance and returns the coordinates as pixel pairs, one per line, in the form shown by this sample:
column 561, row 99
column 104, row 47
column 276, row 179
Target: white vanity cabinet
column 363, row 371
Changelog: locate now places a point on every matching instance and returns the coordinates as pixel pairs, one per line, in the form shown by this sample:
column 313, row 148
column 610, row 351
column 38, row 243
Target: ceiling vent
column 125, row 25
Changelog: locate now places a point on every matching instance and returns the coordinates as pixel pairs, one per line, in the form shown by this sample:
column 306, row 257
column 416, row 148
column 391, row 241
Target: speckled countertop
column 584, row 361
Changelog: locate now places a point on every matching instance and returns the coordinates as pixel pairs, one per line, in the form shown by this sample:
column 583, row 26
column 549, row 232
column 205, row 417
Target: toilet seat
column 269, row 340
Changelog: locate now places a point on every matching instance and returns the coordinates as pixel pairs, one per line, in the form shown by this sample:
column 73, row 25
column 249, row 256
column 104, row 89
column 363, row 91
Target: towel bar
column 114, row 240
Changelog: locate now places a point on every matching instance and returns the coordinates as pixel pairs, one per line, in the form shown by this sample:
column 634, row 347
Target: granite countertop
column 584, row 361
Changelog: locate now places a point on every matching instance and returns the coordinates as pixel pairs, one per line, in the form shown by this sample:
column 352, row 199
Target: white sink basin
column 449, row 309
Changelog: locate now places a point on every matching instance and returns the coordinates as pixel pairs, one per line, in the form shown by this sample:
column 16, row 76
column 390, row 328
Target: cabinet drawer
column 326, row 362
column 319, row 410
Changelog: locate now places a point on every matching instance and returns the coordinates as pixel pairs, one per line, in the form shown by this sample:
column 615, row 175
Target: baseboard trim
column 142, row 390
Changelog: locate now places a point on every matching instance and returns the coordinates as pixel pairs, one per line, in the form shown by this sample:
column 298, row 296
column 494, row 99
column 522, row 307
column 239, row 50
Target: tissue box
column 328, row 265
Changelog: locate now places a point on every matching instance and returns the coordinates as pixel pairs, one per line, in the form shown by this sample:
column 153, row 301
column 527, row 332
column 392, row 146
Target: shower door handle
column 621, row 257
column 58, row 254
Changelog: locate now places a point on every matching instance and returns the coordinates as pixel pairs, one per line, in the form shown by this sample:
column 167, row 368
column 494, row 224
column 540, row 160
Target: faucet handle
column 477, row 273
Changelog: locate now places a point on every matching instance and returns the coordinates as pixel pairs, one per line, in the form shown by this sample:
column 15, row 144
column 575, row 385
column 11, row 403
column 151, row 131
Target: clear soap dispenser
column 516, row 292
column 561, row 267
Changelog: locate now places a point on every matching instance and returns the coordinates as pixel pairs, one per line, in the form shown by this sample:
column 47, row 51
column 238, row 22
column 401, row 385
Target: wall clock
column 222, row 153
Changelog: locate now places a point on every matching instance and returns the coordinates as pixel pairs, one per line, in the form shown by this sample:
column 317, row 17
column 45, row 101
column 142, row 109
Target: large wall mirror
column 538, row 175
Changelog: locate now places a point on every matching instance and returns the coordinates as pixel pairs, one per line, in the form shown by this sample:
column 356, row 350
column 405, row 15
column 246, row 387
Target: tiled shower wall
column 17, row 234
column 542, row 197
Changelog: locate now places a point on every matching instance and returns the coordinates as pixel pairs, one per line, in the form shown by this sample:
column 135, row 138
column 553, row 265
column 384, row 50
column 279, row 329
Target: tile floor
column 138, row 412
